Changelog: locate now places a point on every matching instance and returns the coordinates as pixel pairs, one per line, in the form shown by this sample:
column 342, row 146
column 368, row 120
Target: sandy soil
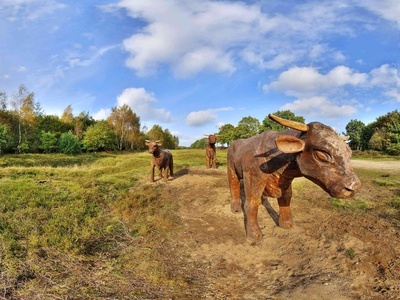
column 329, row 254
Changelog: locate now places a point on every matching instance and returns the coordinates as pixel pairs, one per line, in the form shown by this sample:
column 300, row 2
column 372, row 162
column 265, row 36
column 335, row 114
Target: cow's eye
column 323, row 156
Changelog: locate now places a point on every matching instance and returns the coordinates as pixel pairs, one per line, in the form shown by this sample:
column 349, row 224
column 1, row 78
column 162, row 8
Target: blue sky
column 192, row 66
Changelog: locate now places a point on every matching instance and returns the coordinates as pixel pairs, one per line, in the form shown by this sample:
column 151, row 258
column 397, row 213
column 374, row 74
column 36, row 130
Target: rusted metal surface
column 267, row 164
column 161, row 159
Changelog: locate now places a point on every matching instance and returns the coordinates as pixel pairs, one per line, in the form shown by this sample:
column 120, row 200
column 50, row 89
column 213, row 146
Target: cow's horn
column 345, row 138
column 289, row 123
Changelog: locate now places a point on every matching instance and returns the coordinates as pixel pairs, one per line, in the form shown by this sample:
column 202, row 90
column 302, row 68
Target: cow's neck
column 157, row 152
column 292, row 170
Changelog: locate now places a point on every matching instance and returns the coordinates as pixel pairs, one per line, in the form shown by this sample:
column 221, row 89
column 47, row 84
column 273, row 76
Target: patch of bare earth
column 329, row 254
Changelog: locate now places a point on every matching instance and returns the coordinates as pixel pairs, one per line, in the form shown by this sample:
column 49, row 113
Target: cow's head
column 212, row 138
column 323, row 157
column 153, row 145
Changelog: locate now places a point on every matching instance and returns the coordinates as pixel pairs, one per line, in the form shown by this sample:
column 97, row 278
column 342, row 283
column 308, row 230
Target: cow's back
column 254, row 153
column 245, row 154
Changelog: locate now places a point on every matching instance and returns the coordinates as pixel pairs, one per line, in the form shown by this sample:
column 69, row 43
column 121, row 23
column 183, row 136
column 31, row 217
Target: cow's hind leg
column 253, row 191
column 234, row 185
column 166, row 171
column 171, row 167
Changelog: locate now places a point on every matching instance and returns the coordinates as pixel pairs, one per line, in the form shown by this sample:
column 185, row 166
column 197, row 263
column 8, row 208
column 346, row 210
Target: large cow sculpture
column 161, row 159
column 211, row 152
column 267, row 164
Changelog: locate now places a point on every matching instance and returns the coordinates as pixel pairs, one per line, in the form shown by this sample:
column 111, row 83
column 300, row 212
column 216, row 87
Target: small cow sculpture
column 267, row 164
column 161, row 159
column 211, row 158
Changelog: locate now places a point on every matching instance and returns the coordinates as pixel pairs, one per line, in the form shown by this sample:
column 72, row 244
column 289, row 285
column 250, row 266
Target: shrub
column 23, row 148
column 48, row 142
column 70, row 144
column 99, row 137
column 393, row 149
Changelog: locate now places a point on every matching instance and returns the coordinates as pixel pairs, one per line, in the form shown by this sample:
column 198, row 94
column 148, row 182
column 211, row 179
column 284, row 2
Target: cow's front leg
column 253, row 191
column 214, row 162
column 207, row 161
column 285, row 216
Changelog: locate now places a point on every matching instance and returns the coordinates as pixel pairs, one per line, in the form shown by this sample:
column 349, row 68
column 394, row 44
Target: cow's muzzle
column 346, row 189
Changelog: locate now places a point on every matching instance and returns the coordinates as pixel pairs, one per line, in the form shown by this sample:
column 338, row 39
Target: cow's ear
column 147, row 143
column 159, row 144
column 289, row 144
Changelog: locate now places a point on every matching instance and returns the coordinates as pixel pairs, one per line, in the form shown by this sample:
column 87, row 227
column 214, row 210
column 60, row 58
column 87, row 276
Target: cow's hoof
column 254, row 238
column 285, row 217
column 236, row 207
column 287, row 224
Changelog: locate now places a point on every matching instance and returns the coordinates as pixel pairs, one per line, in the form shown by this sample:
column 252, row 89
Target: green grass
column 381, row 193
column 87, row 226
column 351, row 204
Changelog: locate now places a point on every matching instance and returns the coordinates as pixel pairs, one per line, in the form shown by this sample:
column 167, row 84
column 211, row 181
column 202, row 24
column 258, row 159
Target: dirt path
column 327, row 255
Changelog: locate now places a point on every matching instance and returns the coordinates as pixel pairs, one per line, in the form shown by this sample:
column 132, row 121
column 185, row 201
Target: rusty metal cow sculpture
column 162, row 159
column 211, row 152
column 267, row 163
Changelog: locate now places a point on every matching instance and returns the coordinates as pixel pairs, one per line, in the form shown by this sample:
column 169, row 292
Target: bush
column 48, row 142
column 393, row 149
column 70, row 144
column 23, row 148
column 99, row 137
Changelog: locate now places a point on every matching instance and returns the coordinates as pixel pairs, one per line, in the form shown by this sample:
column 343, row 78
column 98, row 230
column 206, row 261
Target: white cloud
column 202, row 117
column 319, row 107
column 198, row 118
column 76, row 59
column 142, row 103
column 21, row 69
column 307, row 81
column 30, row 10
column 102, row 114
column 384, row 76
column 387, row 9
column 190, row 36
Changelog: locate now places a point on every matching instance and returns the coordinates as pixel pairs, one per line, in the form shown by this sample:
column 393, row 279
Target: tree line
column 382, row 135
column 25, row 128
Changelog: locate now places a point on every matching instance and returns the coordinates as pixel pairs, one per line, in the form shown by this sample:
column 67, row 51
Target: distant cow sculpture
column 267, row 163
column 161, row 159
column 211, row 153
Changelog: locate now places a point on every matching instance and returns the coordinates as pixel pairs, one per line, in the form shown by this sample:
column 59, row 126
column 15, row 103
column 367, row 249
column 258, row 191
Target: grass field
column 83, row 225
column 93, row 227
